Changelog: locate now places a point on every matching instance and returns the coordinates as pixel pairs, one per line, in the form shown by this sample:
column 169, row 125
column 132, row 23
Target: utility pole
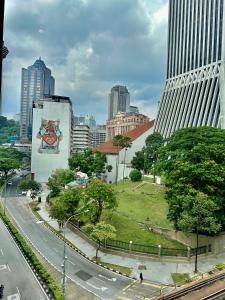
column 2, row 10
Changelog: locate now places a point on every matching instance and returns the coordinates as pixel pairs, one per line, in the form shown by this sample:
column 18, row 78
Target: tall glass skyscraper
column 194, row 92
column 36, row 83
column 119, row 101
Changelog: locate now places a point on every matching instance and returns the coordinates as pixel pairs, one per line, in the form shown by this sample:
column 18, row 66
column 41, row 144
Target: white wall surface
column 42, row 164
column 137, row 145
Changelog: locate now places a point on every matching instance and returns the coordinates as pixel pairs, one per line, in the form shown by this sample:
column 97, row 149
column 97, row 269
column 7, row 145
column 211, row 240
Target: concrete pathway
column 158, row 271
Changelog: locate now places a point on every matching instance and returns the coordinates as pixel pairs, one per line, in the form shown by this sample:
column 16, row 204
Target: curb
column 73, row 247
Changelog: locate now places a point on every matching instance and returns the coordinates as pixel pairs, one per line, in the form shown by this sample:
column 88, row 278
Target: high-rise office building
column 119, row 101
column 97, row 135
column 194, row 92
column 36, row 83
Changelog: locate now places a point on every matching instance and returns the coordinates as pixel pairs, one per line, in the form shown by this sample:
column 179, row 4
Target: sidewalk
column 159, row 271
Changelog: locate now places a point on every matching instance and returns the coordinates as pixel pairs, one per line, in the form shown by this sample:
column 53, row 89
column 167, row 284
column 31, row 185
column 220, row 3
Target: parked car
column 24, row 193
column 9, row 182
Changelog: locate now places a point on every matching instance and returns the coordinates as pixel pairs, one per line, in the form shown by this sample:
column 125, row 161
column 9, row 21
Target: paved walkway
column 158, row 271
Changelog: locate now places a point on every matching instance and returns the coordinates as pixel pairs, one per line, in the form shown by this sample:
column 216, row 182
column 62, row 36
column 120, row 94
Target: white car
column 24, row 193
column 9, row 182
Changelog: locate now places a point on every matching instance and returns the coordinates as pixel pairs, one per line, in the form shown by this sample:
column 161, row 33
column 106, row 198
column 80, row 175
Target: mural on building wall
column 50, row 136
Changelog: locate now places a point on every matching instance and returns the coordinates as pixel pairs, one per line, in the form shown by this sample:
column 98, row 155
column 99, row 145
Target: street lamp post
column 64, row 253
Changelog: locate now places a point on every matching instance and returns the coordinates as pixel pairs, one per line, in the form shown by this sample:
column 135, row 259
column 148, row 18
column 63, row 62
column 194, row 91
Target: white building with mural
column 51, row 136
column 125, row 156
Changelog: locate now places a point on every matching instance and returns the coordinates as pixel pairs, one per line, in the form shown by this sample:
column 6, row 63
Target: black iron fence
column 153, row 250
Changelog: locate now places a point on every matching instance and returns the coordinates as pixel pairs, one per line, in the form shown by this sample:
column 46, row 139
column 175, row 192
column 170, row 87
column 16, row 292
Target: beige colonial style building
column 124, row 122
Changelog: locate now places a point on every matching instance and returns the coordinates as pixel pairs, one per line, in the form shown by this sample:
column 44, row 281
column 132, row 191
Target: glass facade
column 36, row 82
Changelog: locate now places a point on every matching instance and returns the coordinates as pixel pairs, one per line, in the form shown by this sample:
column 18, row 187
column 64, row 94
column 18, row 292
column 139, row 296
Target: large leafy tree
column 29, row 185
column 100, row 195
column 88, row 161
column 100, row 233
column 7, row 165
column 193, row 161
column 198, row 215
column 59, row 178
column 151, row 151
column 66, row 204
column 8, row 128
column 138, row 161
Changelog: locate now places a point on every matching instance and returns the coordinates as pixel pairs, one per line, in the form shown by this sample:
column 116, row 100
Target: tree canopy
column 8, row 128
column 59, row 178
column 101, row 195
column 100, row 233
column 29, row 185
column 193, row 161
column 88, row 162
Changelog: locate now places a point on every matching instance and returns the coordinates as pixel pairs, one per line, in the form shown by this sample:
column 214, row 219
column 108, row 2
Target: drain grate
column 83, row 275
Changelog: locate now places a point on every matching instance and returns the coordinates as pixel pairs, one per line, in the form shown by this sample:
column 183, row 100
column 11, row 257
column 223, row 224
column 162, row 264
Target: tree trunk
column 117, row 166
column 97, row 249
column 196, row 253
column 98, row 212
column 124, row 162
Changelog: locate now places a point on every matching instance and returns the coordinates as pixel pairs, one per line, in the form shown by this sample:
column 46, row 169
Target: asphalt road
column 103, row 283
column 15, row 274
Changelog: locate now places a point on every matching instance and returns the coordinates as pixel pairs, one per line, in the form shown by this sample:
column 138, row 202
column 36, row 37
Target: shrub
column 220, row 266
column 135, row 175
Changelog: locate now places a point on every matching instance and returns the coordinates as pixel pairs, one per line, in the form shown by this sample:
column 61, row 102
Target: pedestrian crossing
column 141, row 291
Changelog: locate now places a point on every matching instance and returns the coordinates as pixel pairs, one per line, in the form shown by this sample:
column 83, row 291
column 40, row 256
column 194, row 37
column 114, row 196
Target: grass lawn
column 180, row 278
column 124, row 270
column 144, row 205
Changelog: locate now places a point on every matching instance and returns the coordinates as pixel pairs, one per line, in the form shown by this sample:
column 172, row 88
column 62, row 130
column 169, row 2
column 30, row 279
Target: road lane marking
column 71, row 262
column 99, row 279
column 9, row 268
column 110, row 279
column 3, row 267
column 152, row 285
column 14, row 297
column 102, row 288
column 18, row 291
column 2, row 252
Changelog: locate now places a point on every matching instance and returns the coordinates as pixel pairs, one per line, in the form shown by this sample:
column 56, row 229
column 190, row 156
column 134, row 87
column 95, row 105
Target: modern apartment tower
column 194, row 92
column 36, row 83
column 119, row 101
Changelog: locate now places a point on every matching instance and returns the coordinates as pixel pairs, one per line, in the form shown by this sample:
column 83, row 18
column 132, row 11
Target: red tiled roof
column 133, row 134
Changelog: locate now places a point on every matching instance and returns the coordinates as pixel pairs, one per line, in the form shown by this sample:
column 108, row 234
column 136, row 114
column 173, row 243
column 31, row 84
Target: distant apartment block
column 194, row 92
column 97, row 135
column 124, row 122
column 36, row 83
column 80, row 138
column 88, row 120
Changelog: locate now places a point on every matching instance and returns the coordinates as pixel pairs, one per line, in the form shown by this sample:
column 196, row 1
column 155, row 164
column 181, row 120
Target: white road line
column 99, row 279
column 2, row 252
column 9, row 268
column 71, row 262
column 18, row 291
column 110, row 279
column 102, row 288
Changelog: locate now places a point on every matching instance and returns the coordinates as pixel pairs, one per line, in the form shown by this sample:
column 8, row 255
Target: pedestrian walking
column 141, row 277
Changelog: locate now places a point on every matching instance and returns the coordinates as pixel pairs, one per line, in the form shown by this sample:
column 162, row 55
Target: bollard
column 159, row 250
column 130, row 246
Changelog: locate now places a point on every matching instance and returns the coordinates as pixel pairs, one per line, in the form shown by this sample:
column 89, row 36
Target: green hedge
column 28, row 252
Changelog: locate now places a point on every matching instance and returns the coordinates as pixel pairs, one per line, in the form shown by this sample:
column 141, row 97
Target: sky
column 90, row 46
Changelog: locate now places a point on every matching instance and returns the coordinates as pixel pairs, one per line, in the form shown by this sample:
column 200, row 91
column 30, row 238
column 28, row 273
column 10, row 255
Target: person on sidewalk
column 141, row 277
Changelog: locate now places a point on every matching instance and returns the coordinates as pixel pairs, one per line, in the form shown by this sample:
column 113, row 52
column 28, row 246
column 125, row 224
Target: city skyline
column 87, row 53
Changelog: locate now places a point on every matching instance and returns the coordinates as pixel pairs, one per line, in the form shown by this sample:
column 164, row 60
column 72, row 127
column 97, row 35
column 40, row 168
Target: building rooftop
column 133, row 134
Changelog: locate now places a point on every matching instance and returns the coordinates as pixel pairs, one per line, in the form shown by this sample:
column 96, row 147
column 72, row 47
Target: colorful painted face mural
column 50, row 136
